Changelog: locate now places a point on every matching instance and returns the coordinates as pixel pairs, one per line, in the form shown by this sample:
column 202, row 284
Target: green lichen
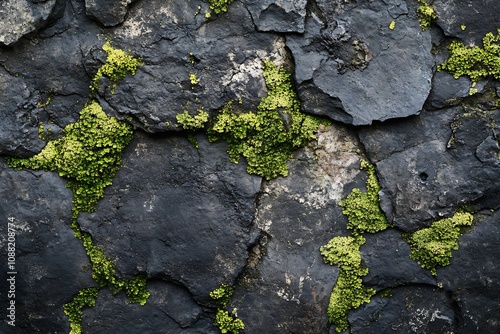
column 432, row 247
column 473, row 61
column 189, row 122
column 364, row 216
column 267, row 137
column 74, row 309
column 194, row 79
column 226, row 321
column 219, row 6
column 362, row 208
column 118, row 65
column 426, row 14
column 349, row 291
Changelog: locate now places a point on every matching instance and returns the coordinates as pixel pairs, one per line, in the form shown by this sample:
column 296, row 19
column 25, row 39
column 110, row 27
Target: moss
column 349, row 291
column 88, row 155
column 362, row 208
column 74, row 309
column 219, row 6
column 426, row 14
column 189, row 122
column 473, row 61
column 267, row 137
column 432, row 247
column 224, row 320
column 392, row 25
column 194, row 79
column 118, row 65
column 364, row 216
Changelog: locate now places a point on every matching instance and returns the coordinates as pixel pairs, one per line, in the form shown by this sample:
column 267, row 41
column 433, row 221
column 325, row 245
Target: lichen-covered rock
column 351, row 61
column 177, row 213
column 49, row 262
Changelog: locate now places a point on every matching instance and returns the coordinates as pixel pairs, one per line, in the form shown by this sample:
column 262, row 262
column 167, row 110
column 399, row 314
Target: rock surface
column 189, row 219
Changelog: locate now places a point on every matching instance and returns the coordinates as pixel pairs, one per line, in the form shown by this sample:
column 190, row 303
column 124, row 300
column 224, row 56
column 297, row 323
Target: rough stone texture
column 280, row 16
column 109, row 13
column 349, row 60
column 430, row 165
column 21, row 17
column 286, row 272
column 481, row 18
column 177, row 213
column 49, row 262
column 170, row 309
column 189, row 219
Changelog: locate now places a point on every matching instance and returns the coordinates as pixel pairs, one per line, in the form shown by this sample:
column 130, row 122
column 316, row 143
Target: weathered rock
column 350, row 59
column 432, row 164
column 177, row 213
column 298, row 214
column 108, row 13
column 170, row 309
column 410, row 309
column 278, row 15
column 19, row 18
column 448, row 91
column 476, row 289
column 49, row 261
column 174, row 43
column 480, row 18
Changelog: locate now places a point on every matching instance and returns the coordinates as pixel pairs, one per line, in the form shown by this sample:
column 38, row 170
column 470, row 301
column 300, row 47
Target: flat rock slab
column 50, row 261
column 177, row 213
column 430, row 165
column 351, row 67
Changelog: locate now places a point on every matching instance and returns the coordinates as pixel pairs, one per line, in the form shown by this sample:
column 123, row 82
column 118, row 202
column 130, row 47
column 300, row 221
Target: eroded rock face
column 108, row 13
column 350, row 64
column 49, row 262
column 177, row 213
column 279, row 16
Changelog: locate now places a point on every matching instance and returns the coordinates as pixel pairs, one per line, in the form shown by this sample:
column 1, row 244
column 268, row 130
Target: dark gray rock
column 411, row 309
column 387, row 256
column 432, row 164
column 174, row 43
column 478, row 18
column 280, row 16
column 170, row 309
column 286, row 287
column 476, row 288
column 50, row 261
column 349, row 58
column 22, row 17
column 448, row 91
column 108, row 13
column 177, row 213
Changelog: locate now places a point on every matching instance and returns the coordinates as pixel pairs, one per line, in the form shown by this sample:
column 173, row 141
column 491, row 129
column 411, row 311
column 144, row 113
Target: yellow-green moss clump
column 219, row 6
column 224, row 320
column 362, row 208
column 364, row 216
column 349, row 291
column 432, row 247
column 267, row 137
column 426, row 14
column 473, row 61
column 118, row 65
column 195, row 122
column 84, row 298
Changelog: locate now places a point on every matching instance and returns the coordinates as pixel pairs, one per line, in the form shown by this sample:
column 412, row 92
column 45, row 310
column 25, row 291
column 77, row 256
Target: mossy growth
column 88, row 155
column 349, row 291
column 74, row 309
column 118, row 65
column 473, row 61
column 432, row 247
column 362, row 208
column 195, row 122
column 426, row 14
column 267, row 137
column 193, row 79
column 219, row 6
column 226, row 321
